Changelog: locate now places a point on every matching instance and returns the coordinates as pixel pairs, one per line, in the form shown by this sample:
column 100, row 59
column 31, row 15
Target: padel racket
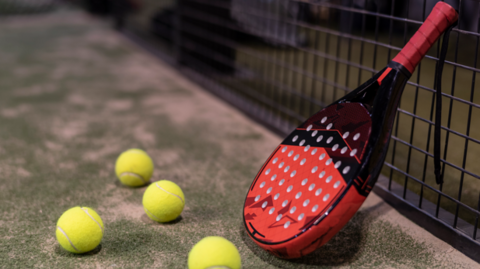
column 318, row 177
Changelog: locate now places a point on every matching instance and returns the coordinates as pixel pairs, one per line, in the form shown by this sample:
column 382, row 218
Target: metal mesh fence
column 281, row 61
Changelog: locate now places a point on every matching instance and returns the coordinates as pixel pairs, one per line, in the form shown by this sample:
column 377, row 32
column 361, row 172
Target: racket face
column 307, row 173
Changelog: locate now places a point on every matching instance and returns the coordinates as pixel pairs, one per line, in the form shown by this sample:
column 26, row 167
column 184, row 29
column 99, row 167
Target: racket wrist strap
column 439, row 168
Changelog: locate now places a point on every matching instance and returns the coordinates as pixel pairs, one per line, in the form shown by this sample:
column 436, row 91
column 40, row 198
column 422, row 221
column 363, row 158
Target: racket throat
column 383, row 84
column 383, row 115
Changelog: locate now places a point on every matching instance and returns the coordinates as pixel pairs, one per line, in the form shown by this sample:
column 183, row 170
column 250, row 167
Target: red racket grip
column 441, row 17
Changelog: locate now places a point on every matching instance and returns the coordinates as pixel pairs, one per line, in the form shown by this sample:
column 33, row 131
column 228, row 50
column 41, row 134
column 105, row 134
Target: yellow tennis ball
column 214, row 252
column 79, row 229
column 134, row 167
column 163, row 201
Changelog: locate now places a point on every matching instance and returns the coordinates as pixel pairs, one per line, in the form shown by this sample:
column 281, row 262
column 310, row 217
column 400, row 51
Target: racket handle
column 441, row 17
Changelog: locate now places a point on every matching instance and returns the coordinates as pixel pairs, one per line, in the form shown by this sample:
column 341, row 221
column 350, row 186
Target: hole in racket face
column 322, row 156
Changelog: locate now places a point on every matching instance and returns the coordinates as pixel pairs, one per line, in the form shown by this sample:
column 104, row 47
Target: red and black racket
column 318, row 177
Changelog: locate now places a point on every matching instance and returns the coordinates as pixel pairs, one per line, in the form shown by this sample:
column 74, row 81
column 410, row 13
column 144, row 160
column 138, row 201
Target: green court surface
column 74, row 94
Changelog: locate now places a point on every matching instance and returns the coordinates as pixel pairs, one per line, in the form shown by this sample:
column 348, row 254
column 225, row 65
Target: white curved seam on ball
column 218, row 267
column 86, row 212
column 66, row 236
column 135, row 175
column 156, row 218
column 156, row 184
